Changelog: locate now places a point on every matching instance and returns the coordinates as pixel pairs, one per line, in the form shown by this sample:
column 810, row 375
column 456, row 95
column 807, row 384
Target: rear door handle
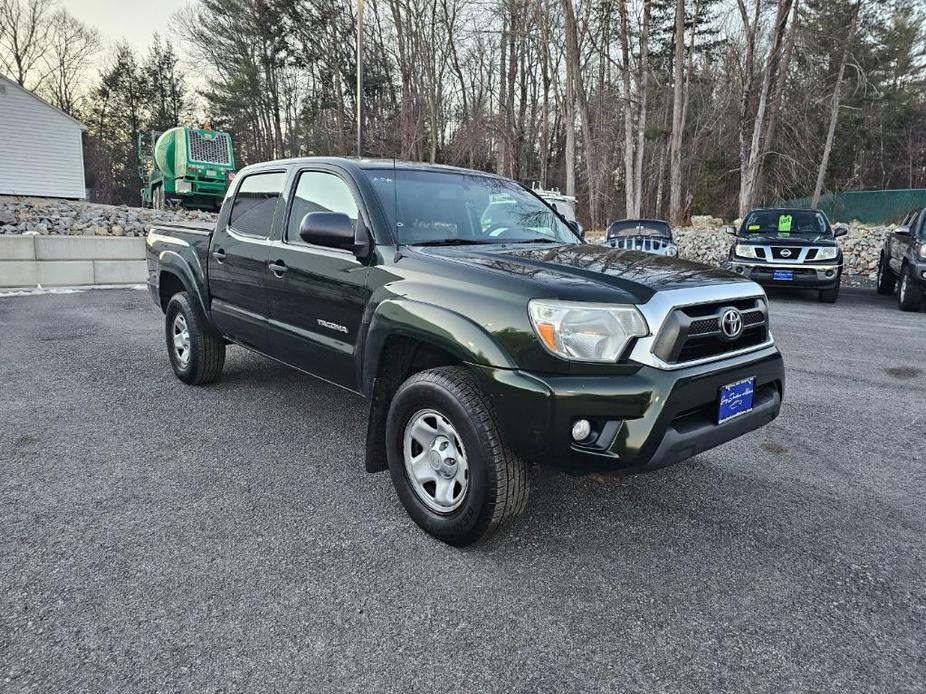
column 219, row 255
column 278, row 268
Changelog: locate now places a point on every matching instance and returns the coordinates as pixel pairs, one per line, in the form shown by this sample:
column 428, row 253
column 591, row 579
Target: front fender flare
column 454, row 333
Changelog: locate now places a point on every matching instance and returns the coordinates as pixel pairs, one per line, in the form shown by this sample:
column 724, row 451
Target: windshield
column 639, row 227
column 785, row 222
column 437, row 207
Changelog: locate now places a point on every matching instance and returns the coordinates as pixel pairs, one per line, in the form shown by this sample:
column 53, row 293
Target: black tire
column 909, row 294
column 205, row 353
column 157, row 197
column 497, row 479
column 887, row 280
column 829, row 296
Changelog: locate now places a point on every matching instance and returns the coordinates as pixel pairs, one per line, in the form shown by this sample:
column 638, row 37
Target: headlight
column 744, row 251
column 923, row 250
column 827, row 253
column 672, row 250
column 184, row 187
column 581, row 331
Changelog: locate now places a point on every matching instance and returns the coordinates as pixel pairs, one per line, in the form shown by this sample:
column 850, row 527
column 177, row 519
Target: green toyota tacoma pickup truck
column 482, row 330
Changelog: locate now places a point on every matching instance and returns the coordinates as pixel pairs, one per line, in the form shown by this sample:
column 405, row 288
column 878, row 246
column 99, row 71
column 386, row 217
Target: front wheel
column 197, row 353
column 452, row 472
column 909, row 296
column 887, row 280
column 829, row 296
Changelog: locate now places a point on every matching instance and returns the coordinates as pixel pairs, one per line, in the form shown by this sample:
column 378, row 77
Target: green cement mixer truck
column 185, row 166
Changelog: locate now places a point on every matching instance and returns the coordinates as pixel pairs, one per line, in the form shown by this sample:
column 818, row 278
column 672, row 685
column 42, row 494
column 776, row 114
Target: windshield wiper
column 537, row 240
column 449, row 242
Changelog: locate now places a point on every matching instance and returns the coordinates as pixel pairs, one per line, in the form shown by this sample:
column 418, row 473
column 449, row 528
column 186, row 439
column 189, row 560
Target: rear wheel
column 829, row 296
column 887, row 280
column 157, row 197
column 197, row 353
column 909, row 296
column 451, row 470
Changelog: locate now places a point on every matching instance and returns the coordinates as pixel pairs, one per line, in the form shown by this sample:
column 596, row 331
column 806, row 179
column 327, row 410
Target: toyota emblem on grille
column 785, row 253
column 731, row 323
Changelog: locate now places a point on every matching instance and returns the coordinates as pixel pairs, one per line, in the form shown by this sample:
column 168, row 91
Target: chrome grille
column 694, row 332
column 646, row 244
column 786, row 253
column 209, row 149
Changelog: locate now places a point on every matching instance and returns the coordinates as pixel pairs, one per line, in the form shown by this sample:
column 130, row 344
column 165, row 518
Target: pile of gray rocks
column 72, row 218
column 705, row 241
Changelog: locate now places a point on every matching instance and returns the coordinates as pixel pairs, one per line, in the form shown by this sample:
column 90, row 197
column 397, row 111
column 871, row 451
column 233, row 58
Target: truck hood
column 587, row 272
column 789, row 240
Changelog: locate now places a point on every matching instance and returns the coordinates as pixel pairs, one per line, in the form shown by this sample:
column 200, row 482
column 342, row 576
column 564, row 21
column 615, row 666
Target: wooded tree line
column 639, row 107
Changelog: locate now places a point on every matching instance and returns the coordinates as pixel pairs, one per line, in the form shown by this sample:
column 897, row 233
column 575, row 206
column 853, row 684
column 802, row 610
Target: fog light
column 739, row 269
column 581, row 430
column 829, row 273
column 924, row 274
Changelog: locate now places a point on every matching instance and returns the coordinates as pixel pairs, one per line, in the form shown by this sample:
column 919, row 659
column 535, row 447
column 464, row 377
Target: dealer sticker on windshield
column 736, row 399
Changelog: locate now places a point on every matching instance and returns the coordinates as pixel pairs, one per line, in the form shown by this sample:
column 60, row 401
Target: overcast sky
column 132, row 20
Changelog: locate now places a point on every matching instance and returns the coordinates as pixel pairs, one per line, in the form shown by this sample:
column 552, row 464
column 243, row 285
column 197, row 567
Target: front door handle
column 219, row 255
column 278, row 268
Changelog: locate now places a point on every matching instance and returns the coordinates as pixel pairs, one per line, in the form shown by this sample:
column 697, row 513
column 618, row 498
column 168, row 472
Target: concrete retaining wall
column 65, row 261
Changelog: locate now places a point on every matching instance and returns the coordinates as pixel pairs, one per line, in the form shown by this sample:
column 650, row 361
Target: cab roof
column 370, row 164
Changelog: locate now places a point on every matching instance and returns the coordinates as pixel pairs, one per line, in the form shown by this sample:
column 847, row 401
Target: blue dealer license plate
column 783, row 275
column 736, row 399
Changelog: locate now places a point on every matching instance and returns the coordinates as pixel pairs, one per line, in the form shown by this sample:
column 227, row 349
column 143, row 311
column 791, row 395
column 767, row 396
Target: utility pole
column 360, row 78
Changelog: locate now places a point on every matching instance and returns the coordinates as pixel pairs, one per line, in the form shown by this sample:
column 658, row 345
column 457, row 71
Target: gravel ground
column 158, row 537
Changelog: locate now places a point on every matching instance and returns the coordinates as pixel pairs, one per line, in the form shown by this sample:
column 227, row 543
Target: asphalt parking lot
column 158, row 537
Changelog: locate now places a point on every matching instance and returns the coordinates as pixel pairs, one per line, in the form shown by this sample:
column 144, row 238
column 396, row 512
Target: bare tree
column 24, row 33
column 749, row 176
column 630, row 181
column 834, row 111
column 678, row 122
column 643, row 87
column 72, row 47
column 574, row 70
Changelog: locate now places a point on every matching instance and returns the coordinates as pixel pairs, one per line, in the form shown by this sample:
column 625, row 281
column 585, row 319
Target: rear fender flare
column 172, row 263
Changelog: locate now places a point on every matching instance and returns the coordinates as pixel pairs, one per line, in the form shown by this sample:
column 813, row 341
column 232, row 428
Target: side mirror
column 903, row 229
column 840, row 230
column 730, row 230
column 577, row 228
column 335, row 230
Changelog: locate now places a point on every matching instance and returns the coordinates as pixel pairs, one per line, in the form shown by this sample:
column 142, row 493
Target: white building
column 41, row 151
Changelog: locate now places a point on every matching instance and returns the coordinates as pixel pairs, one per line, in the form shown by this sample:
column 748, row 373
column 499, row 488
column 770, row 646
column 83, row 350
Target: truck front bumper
column 804, row 276
column 642, row 421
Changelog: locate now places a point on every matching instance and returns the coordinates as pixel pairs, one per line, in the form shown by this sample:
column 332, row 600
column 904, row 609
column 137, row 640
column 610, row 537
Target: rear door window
column 255, row 203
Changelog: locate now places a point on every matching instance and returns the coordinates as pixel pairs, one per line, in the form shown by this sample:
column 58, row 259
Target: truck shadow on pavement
column 712, row 508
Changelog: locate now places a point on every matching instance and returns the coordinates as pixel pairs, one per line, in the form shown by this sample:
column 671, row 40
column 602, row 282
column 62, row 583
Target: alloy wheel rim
column 435, row 461
column 181, row 337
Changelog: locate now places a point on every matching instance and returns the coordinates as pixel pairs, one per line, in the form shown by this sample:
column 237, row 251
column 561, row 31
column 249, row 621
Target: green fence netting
column 866, row 206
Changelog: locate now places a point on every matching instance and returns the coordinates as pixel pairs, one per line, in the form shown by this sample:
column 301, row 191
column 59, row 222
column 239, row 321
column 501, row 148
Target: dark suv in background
column 792, row 248
column 903, row 261
column 646, row 235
